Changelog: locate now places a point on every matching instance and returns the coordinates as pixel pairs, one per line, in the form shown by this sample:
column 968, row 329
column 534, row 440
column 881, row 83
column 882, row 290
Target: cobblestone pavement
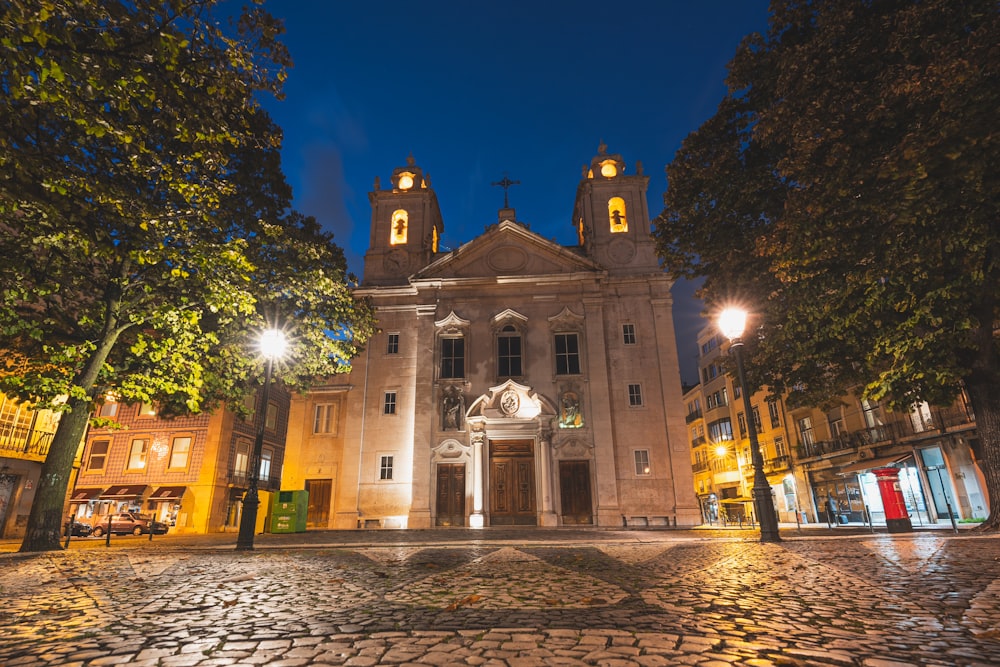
column 610, row 598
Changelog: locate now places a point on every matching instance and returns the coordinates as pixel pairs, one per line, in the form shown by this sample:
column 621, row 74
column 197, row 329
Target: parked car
column 79, row 529
column 124, row 523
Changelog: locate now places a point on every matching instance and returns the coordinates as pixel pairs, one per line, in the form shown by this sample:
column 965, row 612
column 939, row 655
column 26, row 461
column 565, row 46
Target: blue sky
column 475, row 89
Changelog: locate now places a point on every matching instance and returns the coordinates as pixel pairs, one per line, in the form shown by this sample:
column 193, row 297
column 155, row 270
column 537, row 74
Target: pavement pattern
column 606, row 598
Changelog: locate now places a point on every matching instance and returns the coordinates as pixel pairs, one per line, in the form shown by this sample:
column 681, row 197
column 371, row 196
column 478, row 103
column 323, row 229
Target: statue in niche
column 453, row 409
column 569, row 410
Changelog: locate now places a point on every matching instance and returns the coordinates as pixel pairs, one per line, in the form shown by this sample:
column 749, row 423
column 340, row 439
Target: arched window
column 616, row 215
column 400, row 221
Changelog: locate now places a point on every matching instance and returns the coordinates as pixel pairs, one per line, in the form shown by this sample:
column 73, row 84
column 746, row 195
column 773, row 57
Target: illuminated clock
column 405, row 181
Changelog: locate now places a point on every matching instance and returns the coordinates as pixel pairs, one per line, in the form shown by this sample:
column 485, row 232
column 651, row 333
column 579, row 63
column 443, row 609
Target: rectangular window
column 271, row 422
column 108, row 409
column 180, row 450
column 98, row 454
column 756, row 418
column 392, row 344
column 806, row 431
column 452, row 357
column 567, row 354
column 634, row 395
column 147, row 410
column 772, row 409
column 741, row 419
column 628, row 334
column 720, row 430
column 241, row 459
column 137, row 454
column 266, row 455
column 325, row 418
column 779, row 447
column 385, row 467
column 641, row 461
column 509, row 354
column 389, row 404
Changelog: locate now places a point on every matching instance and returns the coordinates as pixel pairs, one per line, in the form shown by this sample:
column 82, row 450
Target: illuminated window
column 147, row 410
column 405, row 181
column 241, row 458
column 641, row 462
column 180, row 450
column 98, row 455
column 137, row 454
column 400, row 221
column 266, row 455
column 616, row 214
column 579, row 231
column 434, row 239
column 609, row 169
column 108, row 409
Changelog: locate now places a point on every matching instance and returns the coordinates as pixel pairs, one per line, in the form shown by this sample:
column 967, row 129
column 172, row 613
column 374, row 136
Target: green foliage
column 846, row 192
column 847, row 189
column 144, row 218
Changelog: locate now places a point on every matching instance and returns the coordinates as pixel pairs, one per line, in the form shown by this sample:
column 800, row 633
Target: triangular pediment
column 507, row 249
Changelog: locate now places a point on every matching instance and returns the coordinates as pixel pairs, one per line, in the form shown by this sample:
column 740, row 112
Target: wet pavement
column 508, row 597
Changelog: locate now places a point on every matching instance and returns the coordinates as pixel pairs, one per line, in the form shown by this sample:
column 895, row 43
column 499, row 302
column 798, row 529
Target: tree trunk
column 46, row 517
column 985, row 399
column 45, row 521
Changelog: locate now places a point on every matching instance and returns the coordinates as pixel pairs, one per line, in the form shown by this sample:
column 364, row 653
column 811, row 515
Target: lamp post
column 731, row 323
column 272, row 346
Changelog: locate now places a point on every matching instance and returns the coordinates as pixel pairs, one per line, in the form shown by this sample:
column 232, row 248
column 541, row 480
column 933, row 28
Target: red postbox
column 897, row 519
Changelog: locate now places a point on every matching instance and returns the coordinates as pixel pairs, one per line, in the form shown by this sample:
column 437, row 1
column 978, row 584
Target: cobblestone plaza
column 507, row 598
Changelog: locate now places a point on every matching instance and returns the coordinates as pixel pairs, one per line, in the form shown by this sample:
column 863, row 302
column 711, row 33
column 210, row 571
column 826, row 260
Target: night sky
column 475, row 90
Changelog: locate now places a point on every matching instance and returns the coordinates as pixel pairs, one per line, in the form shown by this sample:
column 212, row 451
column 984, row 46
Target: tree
column 144, row 219
column 847, row 187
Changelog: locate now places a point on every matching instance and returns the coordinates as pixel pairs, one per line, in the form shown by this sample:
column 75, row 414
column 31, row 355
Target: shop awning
column 860, row 466
column 124, row 492
column 85, row 495
column 735, row 501
column 168, row 493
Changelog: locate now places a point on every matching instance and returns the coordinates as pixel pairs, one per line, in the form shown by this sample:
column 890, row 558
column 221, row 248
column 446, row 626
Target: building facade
column 190, row 472
column 514, row 381
column 25, row 437
column 820, row 463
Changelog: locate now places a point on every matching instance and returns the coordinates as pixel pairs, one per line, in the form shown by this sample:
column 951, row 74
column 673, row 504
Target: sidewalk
column 706, row 597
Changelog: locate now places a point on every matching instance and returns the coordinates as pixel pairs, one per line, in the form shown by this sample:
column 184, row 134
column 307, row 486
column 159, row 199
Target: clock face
column 609, row 170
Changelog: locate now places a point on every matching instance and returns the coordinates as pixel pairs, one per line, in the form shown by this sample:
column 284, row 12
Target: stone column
column 547, row 516
column 476, row 519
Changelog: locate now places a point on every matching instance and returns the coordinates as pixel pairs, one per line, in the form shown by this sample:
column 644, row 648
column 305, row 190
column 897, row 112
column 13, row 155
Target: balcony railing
column 901, row 428
column 26, row 443
column 692, row 416
column 240, row 478
column 778, row 463
column 700, row 440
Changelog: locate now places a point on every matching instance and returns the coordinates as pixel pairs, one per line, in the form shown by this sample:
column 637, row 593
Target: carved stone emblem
column 509, row 402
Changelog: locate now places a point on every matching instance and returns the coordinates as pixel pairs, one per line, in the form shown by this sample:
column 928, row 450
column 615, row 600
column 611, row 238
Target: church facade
column 513, row 381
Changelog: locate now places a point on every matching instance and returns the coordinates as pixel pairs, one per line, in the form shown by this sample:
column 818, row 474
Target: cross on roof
column 505, row 184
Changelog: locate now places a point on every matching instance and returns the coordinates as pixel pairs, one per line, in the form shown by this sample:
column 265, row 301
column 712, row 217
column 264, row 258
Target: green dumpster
column 288, row 511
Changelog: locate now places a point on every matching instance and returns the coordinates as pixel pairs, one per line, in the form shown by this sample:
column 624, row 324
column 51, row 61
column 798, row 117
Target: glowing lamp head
column 721, row 450
column 732, row 322
column 273, row 343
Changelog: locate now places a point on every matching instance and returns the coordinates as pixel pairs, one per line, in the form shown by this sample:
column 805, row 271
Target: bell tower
column 611, row 215
column 405, row 228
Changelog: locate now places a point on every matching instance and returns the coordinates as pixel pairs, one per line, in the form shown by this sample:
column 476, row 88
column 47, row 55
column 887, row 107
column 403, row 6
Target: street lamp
column 272, row 346
column 732, row 321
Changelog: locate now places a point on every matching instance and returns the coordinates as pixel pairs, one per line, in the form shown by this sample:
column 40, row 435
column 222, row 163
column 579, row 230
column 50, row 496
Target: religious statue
column 569, row 411
column 452, row 407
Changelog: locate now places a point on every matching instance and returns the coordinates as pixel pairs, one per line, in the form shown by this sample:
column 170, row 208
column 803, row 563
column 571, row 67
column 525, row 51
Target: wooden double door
column 512, row 483
column 450, row 494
